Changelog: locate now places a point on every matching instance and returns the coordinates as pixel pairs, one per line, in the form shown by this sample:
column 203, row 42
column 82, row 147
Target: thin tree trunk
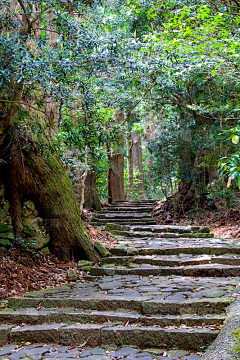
column 116, row 167
column 130, row 164
column 138, row 165
column 91, row 198
column 83, row 179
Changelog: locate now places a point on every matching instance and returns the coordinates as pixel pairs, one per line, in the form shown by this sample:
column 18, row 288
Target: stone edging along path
column 170, row 288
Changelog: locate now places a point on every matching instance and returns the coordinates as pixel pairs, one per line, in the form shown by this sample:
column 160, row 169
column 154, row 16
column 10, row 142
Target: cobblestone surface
column 175, row 288
column 44, row 352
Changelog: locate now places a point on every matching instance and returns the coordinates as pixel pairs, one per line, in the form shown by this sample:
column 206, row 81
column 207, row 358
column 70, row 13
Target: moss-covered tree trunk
column 40, row 177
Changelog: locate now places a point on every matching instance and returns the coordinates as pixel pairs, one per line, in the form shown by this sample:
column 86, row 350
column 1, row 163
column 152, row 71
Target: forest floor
column 28, row 270
column 24, row 270
column 223, row 222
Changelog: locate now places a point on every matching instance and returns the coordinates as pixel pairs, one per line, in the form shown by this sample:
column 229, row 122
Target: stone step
column 99, row 335
column 139, row 304
column 97, row 222
column 123, row 216
column 161, row 235
column 199, row 250
column 69, row 315
column 150, row 201
column 208, row 270
column 165, row 229
column 172, row 260
column 127, row 209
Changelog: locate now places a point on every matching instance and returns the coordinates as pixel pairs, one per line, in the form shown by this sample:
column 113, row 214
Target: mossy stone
column 3, row 214
column 45, row 251
column 5, row 228
column 101, row 249
column 4, row 242
column 83, row 263
column 86, row 268
column 40, row 241
column 3, row 250
column 7, row 235
column 29, row 204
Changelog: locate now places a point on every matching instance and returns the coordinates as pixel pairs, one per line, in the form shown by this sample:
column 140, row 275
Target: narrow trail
column 162, row 294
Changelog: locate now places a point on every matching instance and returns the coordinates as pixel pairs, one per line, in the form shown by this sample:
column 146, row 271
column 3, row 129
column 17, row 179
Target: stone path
column 166, row 288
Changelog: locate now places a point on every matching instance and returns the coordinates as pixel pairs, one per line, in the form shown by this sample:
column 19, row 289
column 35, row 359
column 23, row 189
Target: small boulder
column 83, row 263
column 72, row 275
column 45, row 251
column 26, row 212
column 101, row 249
column 30, row 205
column 40, row 241
column 31, row 222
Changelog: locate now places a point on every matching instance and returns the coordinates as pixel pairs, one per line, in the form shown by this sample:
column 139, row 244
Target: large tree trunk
column 41, row 178
column 138, row 165
column 91, row 198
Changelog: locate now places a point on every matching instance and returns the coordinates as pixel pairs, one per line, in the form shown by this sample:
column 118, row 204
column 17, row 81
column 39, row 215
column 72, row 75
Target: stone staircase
column 126, row 212
column 164, row 287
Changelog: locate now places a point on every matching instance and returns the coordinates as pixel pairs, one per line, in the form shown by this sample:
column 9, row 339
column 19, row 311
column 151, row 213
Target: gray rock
column 91, row 352
column 123, row 352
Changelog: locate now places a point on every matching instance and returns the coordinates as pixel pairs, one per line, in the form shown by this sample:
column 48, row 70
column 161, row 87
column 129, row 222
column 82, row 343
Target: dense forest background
column 117, row 99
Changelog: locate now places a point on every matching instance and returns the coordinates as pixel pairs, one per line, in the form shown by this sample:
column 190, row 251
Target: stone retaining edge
column 223, row 347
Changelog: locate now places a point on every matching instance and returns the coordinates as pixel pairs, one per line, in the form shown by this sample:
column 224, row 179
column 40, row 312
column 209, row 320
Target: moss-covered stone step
column 161, row 235
column 97, row 335
column 160, row 228
column 172, row 260
column 142, row 305
column 198, row 250
column 209, row 270
column 70, row 315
